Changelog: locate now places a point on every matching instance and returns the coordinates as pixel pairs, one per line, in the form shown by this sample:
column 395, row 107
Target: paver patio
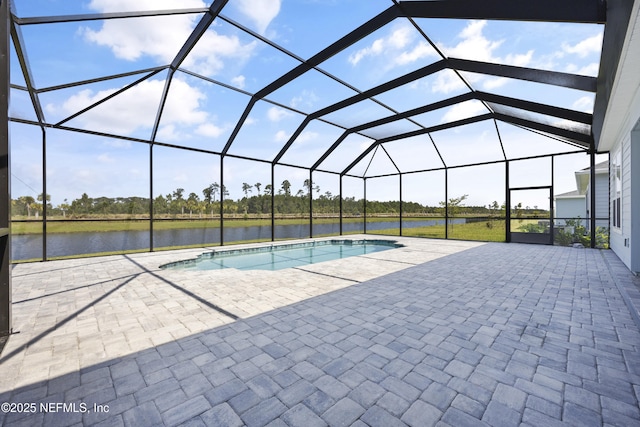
column 435, row 333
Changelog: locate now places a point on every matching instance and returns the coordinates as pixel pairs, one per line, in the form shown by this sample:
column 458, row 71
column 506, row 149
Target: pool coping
column 271, row 247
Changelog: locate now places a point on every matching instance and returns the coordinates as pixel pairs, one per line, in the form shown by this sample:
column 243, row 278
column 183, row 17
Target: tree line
column 256, row 201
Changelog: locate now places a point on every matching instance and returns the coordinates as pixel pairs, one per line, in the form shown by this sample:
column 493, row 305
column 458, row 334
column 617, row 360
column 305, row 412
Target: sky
column 202, row 115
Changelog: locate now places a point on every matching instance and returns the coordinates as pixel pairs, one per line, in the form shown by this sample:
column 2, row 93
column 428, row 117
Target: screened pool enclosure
column 139, row 126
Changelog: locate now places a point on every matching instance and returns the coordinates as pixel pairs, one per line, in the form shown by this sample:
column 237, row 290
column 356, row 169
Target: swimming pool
column 277, row 257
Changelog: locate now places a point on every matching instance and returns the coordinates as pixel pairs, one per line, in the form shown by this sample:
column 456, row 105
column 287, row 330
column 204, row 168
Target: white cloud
column 400, row 45
column 214, row 52
column 307, row 99
column 276, row 114
column 589, row 70
column 239, row 82
column 183, row 104
column 169, row 133
column 376, row 48
column 210, row 130
column 135, row 108
column 304, row 137
column 446, row 82
column 421, row 50
column 476, row 46
column 401, row 37
column 307, row 136
column 281, row 136
column 117, row 115
column 159, row 37
column 261, row 12
column 519, row 60
column 162, row 37
column 585, row 47
column 584, row 103
column 464, row 110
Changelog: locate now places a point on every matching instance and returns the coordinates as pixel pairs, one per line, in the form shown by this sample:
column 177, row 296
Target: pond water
column 24, row 247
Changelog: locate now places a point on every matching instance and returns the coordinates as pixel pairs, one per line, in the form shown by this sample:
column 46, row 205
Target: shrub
column 581, row 235
column 533, row 228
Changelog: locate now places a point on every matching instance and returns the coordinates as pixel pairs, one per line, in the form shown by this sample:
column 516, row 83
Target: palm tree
column 177, row 194
column 47, row 200
column 215, row 188
column 64, row 207
column 246, row 188
column 28, row 203
column 286, row 187
column 192, row 203
column 209, row 194
column 85, row 202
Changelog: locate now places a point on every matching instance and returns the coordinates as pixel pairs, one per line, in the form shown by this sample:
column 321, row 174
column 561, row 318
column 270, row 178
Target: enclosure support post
column 446, row 203
column 151, row 197
column 221, row 200
column 400, row 175
column 5, row 176
column 310, row 203
column 364, row 208
column 44, row 195
column 273, row 202
column 507, row 204
column 592, row 191
column 340, row 205
column 552, row 213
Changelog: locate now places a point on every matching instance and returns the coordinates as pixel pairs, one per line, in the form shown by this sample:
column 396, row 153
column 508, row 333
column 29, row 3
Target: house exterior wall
column 569, row 208
column 634, row 198
column 602, row 200
column 620, row 136
column 602, row 196
column 625, row 240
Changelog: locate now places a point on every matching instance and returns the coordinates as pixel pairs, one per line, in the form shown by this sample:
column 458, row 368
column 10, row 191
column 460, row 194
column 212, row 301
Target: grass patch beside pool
column 485, row 231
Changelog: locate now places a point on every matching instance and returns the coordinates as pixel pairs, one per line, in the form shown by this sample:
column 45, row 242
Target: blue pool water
column 277, row 257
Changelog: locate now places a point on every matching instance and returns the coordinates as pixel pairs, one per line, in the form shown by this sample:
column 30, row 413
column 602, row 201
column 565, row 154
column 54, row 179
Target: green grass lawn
column 486, row 231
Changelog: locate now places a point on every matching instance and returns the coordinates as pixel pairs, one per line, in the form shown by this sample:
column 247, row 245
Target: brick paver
column 438, row 333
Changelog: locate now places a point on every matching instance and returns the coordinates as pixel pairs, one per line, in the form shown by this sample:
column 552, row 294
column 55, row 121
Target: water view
column 29, row 246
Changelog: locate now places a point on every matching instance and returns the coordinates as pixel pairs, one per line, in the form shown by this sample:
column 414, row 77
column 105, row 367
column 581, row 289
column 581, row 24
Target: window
column 616, row 187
